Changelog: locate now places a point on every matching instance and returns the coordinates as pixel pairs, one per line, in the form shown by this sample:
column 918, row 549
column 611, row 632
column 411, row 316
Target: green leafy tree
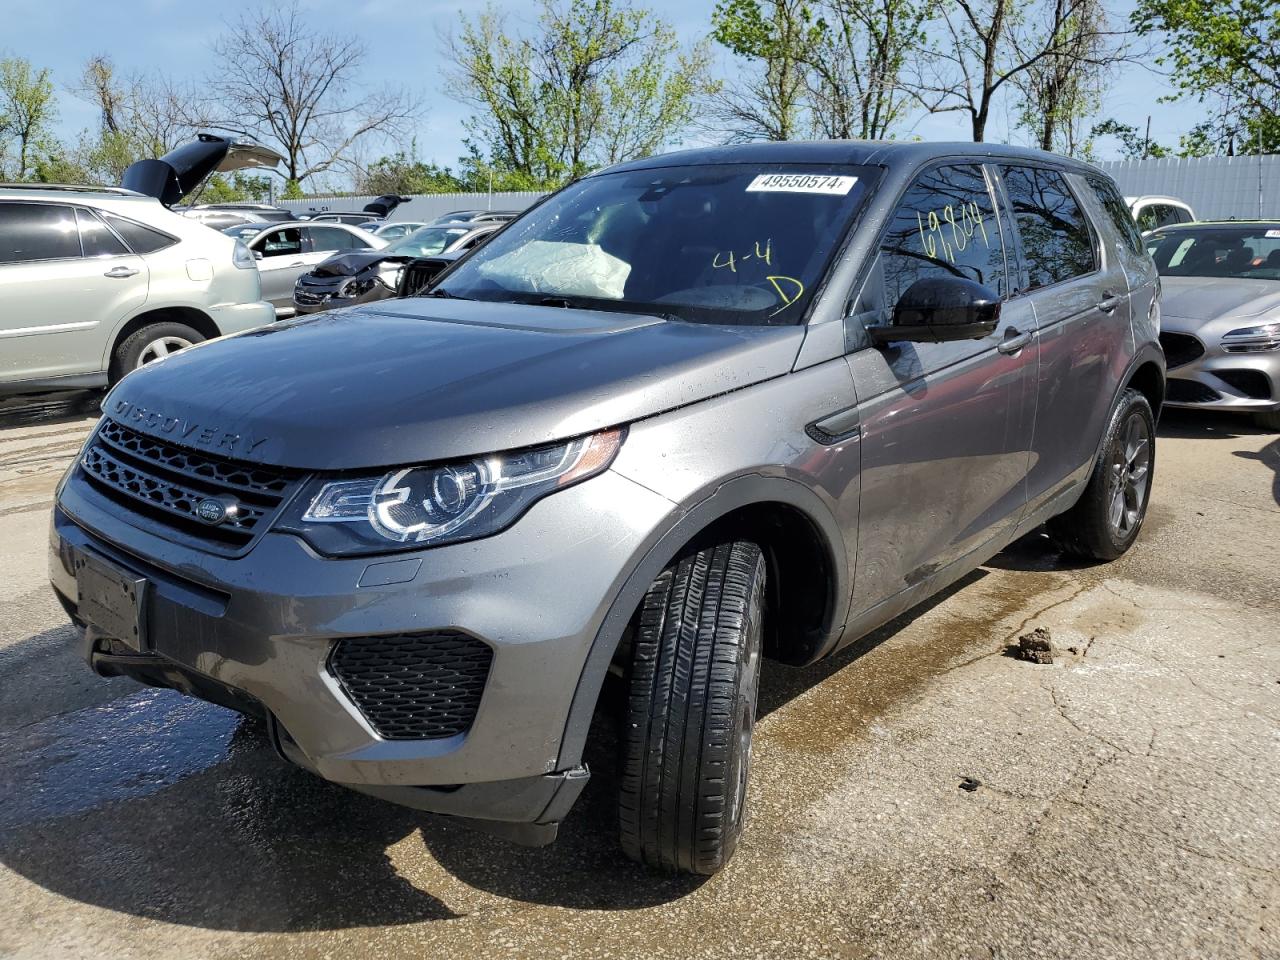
column 1226, row 54
column 27, row 110
column 778, row 38
column 1134, row 145
column 404, row 173
column 594, row 81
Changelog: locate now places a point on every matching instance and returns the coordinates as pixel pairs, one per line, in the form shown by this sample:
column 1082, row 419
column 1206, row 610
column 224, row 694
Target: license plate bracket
column 112, row 600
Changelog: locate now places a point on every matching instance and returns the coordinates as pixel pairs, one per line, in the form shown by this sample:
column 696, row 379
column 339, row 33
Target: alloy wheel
column 1130, row 475
column 161, row 347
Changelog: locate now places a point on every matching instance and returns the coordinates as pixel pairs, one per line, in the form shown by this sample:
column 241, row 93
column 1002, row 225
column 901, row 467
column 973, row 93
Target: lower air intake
column 424, row 686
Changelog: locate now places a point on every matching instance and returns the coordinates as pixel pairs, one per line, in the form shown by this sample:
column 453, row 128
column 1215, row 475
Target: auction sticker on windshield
column 801, row 183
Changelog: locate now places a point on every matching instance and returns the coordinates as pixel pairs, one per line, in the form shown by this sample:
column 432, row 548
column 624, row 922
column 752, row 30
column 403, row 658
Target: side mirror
column 257, row 254
column 940, row 309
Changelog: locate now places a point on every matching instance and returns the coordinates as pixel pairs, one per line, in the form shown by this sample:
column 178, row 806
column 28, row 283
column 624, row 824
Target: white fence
column 424, row 207
column 1218, row 188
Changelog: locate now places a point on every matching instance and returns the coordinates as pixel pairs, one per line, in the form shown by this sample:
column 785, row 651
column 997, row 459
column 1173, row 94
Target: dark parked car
column 689, row 412
column 363, row 276
column 373, row 212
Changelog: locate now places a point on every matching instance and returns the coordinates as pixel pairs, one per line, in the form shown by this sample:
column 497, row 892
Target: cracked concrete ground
column 1129, row 798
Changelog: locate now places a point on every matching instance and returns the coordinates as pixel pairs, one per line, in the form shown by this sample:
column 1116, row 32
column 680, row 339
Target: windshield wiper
column 446, row 295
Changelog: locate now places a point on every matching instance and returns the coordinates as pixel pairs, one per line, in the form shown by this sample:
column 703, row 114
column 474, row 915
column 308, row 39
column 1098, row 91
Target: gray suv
column 685, row 414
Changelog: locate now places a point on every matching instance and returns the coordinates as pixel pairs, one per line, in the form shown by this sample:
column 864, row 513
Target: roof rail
column 71, row 188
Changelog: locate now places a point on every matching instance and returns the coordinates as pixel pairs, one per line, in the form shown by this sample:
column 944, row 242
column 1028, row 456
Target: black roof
column 856, row 152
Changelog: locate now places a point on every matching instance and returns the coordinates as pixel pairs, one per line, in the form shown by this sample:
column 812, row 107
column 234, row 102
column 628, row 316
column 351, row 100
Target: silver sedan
column 1221, row 316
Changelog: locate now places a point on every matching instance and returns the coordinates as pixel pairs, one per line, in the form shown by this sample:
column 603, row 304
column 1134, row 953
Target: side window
column 281, row 243
column 1114, row 204
column 37, row 231
column 1185, row 215
column 96, row 239
column 945, row 225
column 1147, row 218
column 1056, row 240
column 331, row 238
column 139, row 238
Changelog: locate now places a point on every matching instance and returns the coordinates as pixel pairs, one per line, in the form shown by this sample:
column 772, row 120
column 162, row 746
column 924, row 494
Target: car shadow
column 41, row 409
column 1183, row 424
column 151, row 804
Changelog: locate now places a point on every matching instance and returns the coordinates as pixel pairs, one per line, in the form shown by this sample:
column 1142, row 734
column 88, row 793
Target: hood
column 382, row 206
column 1188, row 303
column 349, row 264
column 180, row 171
column 421, row 380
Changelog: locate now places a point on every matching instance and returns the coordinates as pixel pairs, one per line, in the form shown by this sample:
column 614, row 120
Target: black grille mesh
column 414, row 687
column 165, row 483
column 1189, row 391
column 1252, row 383
column 1180, row 349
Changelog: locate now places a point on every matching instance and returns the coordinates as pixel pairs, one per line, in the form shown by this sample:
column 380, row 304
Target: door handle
column 119, row 273
column 1014, row 341
column 1109, row 302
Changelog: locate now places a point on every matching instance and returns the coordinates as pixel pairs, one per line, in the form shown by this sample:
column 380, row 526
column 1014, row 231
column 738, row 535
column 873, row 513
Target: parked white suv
column 96, row 281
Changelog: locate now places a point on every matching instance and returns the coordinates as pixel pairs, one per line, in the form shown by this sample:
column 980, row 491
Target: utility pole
column 1146, row 141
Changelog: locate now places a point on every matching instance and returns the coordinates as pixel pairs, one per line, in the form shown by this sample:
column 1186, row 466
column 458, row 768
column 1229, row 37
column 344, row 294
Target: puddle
column 860, row 685
column 128, row 748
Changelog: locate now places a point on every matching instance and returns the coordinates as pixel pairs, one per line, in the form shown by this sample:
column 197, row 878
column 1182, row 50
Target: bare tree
column 855, row 63
column 985, row 45
column 294, row 88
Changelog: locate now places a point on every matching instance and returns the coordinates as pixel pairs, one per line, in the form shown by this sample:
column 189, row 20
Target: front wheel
column 1106, row 519
column 691, row 706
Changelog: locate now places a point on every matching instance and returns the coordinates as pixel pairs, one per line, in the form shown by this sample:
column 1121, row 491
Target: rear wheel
column 1106, row 519
column 691, row 706
column 150, row 343
column 1269, row 420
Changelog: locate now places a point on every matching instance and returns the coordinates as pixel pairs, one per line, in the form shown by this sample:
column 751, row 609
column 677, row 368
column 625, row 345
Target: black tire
column 693, row 679
column 1268, row 421
column 1107, row 518
column 129, row 351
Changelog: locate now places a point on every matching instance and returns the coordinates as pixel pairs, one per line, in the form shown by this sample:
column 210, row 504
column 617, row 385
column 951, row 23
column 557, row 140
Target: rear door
column 945, row 427
column 1080, row 298
column 65, row 282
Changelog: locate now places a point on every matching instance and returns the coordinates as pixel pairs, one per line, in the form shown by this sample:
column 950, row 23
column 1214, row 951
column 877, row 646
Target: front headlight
column 356, row 287
column 1257, row 339
column 242, row 257
column 414, row 507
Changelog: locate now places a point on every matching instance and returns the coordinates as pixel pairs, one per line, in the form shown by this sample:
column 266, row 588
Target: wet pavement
column 1127, row 799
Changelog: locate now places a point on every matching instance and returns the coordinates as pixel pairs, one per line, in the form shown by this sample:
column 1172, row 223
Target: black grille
column 418, row 275
column 1252, row 383
column 1189, row 391
column 1180, row 349
column 165, row 483
column 414, row 687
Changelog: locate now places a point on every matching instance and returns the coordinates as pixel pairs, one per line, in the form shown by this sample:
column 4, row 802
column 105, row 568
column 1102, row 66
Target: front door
column 282, row 262
column 945, row 427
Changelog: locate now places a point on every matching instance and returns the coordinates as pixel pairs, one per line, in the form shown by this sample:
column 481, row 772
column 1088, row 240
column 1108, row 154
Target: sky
column 402, row 37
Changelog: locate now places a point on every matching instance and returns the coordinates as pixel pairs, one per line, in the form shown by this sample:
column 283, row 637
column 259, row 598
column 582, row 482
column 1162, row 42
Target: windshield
column 727, row 243
column 425, row 242
column 1246, row 252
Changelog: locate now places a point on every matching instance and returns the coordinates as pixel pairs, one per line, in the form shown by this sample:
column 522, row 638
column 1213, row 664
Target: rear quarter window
column 139, row 238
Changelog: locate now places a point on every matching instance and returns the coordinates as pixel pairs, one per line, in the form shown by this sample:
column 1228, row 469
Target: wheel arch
column 804, row 550
column 195, row 318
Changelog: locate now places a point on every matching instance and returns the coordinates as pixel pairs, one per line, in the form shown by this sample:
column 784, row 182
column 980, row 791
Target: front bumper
column 313, row 298
column 262, row 626
column 235, row 317
column 1217, row 379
